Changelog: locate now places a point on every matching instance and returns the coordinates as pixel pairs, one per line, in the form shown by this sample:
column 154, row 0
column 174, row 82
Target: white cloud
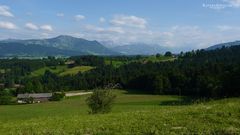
column 131, row 21
column 185, row 36
column 118, row 35
column 195, row 37
column 60, row 14
column 112, row 30
column 7, row 25
column 102, row 19
column 79, row 17
column 234, row 3
column 176, row 37
column 45, row 35
column 4, row 11
column 47, row 27
column 221, row 4
column 116, row 30
column 31, row 26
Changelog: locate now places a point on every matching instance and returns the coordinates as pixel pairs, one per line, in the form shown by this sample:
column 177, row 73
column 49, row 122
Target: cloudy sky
column 183, row 24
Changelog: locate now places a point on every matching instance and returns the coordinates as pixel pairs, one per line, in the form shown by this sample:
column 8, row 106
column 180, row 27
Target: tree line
column 200, row 73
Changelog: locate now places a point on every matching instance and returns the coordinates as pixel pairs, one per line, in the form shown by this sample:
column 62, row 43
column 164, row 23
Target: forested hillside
column 214, row 73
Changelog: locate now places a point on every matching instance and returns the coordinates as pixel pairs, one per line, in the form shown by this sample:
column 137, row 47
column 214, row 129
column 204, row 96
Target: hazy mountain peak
column 67, row 43
column 67, row 37
column 64, row 36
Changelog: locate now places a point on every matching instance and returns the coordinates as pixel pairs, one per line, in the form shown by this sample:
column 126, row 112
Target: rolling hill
column 132, row 114
column 20, row 49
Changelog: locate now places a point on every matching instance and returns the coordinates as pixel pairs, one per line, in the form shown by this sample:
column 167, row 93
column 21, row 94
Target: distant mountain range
column 18, row 49
column 71, row 46
column 140, row 49
column 61, row 45
column 228, row 44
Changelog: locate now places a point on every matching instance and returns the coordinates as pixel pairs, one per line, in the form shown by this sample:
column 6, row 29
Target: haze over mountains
column 228, row 44
column 140, row 49
column 70, row 46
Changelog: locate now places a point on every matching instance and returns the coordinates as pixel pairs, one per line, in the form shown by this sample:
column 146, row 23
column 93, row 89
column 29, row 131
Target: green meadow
column 132, row 114
column 75, row 70
column 61, row 70
column 117, row 63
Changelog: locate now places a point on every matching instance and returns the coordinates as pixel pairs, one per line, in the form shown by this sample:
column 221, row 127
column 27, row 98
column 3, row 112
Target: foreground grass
column 132, row 114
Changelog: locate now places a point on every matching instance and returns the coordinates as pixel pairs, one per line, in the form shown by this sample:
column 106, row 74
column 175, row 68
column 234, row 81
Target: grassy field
column 131, row 114
column 158, row 59
column 75, row 70
column 2, row 71
column 118, row 63
column 62, row 70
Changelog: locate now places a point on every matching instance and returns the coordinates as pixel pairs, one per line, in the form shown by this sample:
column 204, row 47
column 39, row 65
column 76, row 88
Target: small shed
column 34, row 98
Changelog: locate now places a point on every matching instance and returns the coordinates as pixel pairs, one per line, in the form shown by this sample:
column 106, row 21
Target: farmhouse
column 70, row 63
column 34, row 98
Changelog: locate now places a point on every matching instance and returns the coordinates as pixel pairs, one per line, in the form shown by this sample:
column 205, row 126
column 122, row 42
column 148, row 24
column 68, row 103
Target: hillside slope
column 20, row 49
column 131, row 114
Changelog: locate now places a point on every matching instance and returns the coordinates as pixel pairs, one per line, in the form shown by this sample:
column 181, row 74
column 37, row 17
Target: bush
column 100, row 101
column 57, row 96
column 5, row 97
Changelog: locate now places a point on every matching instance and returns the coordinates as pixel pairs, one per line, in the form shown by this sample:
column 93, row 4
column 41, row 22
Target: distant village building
column 70, row 62
column 34, row 98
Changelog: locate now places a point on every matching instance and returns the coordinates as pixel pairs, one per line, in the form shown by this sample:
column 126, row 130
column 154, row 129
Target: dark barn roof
column 36, row 95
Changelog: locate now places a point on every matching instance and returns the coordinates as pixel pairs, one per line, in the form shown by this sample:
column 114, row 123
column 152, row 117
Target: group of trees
column 5, row 97
column 196, row 73
column 13, row 70
column 202, row 73
column 88, row 60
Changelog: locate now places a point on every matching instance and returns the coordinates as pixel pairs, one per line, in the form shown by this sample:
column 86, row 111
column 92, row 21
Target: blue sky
column 181, row 24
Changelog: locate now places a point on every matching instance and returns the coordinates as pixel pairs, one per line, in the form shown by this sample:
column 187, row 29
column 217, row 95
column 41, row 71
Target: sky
column 180, row 24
